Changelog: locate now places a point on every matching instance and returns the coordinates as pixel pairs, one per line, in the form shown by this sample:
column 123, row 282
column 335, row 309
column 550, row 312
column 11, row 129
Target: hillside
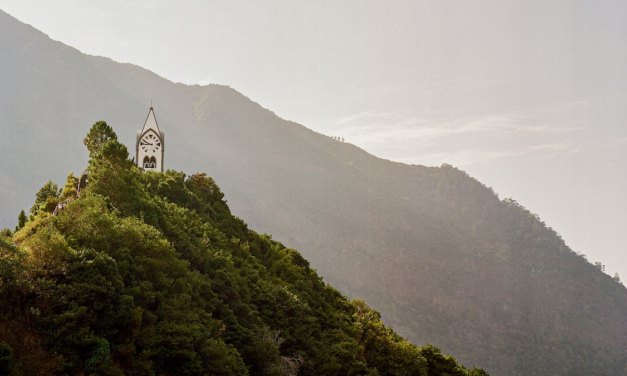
column 438, row 253
column 149, row 273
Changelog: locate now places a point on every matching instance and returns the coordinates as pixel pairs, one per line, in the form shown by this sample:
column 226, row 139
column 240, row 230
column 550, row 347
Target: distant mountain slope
column 437, row 252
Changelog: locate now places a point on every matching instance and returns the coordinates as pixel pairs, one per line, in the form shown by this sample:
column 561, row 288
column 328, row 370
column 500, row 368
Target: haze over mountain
column 435, row 250
column 526, row 96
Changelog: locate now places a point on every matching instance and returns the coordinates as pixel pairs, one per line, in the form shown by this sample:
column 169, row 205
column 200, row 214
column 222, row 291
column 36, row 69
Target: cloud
column 371, row 128
column 386, row 122
column 473, row 156
column 468, row 157
column 434, row 139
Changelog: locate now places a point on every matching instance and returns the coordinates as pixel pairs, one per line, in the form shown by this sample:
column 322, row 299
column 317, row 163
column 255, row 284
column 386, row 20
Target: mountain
column 438, row 253
column 150, row 274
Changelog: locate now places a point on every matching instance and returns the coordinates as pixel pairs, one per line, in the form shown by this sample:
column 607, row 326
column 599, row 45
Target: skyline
column 527, row 98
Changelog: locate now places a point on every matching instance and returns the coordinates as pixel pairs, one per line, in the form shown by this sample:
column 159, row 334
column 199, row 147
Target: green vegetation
column 437, row 252
column 150, row 274
column 21, row 220
column 46, row 198
column 443, row 258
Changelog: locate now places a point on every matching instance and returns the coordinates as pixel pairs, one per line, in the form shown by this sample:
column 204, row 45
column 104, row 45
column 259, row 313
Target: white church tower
column 150, row 145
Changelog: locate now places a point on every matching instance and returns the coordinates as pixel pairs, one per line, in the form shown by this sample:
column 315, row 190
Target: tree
column 49, row 190
column 439, row 364
column 5, row 359
column 477, row 372
column 98, row 135
column 21, row 220
column 617, row 278
column 6, row 233
column 150, row 273
column 69, row 191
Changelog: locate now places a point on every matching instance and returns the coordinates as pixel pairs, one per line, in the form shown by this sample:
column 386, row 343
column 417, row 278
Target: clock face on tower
column 150, row 143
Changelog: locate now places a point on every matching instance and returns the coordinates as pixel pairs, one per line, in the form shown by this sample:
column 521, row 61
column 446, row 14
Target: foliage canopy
column 150, row 273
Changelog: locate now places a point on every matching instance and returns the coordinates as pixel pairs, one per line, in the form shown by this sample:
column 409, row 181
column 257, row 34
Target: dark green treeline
column 150, row 274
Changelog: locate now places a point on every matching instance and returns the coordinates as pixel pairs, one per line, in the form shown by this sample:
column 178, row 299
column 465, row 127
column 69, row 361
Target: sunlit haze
column 529, row 97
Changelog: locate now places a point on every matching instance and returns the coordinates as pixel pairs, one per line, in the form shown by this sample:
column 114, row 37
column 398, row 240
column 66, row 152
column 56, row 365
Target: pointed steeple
column 150, row 145
column 151, row 123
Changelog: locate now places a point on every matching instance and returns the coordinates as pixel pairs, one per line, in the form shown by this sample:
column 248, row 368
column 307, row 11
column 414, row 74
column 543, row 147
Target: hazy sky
column 529, row 97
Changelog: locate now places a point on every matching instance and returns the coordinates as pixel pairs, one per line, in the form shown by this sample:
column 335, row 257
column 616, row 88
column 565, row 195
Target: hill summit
column 439, row 254
column 149, row 273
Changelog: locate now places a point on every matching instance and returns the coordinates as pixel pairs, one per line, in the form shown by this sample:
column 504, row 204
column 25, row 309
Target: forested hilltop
column 439, row 254
column 151, row 274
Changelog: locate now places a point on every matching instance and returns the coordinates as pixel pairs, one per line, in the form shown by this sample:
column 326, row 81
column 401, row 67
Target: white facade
column 150, row 145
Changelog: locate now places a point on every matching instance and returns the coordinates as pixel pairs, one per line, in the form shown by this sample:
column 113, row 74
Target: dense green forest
column 438, row 253
column 151, row 274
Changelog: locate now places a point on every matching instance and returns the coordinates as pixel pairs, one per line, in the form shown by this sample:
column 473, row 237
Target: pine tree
column 21, row 221
column 99, row 134
column 49, row 190
column 69, row 191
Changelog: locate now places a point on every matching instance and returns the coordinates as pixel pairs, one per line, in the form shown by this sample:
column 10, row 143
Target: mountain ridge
column 438, row 253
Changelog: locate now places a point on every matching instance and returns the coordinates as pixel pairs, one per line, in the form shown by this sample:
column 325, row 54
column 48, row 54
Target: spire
column 151, row 122
column 150, row 144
